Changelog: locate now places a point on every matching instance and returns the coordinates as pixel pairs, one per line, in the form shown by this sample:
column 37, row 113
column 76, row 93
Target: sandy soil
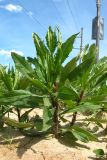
column 17, row 147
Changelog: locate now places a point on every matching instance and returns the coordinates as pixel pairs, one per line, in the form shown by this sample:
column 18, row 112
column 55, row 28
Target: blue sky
column 19, row 18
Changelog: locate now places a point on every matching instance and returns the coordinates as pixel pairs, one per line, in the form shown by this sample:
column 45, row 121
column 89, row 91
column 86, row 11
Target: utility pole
column 81, row 37
column 81, row 42
column 98, row 28
column 98, row 4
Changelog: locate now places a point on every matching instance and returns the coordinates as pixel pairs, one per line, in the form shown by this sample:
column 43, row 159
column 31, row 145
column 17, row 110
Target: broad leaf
column 67, row 47
column 47, row 114
column 80, row 70
column 16, row 95
column 87, row 107
column 22, row 64
column 69, row 67
column 25, row 67
column 66, row 93
column 82, row 134
column 14, row 123
column 51, row 40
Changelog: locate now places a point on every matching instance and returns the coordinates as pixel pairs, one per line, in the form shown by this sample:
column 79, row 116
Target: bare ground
column 17, row 147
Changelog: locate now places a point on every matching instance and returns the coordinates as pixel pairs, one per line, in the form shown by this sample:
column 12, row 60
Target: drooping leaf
column 14, row 123
column 16, row 95
column 82, row 134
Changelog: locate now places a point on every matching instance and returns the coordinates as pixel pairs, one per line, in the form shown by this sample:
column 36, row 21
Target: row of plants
column 59, row 89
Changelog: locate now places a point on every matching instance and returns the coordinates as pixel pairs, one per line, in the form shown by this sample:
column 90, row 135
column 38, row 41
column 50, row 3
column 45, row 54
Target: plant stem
column 18, row 113
column 55, row 118
column 1, row 123
column 73, row 119
column 75, row 114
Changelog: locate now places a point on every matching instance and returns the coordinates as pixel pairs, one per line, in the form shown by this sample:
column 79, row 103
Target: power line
column 72, row 14
column 33, row 18
column 75, row 8
column 58, row 12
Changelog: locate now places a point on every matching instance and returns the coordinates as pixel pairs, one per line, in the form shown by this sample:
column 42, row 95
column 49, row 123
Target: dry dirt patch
column 38, row 149
column 48, row 148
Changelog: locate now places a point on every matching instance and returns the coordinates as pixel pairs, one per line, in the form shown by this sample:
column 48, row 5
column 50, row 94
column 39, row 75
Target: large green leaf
column 41, row 49
column 92, row 52
column 39, row 70
column 84, row 51
column 67, row 47
column 98, row 70
column 25, row 68
column 6, row 78
column 95, row 120
column 51, row 40
column 86, row 107
column 16, row 95
column 82, row 134
column 80, row 70
column 47, row 114
column 66, row 93
column 98, row 99
column 14, row 123
column 22, row 64
column 102, row 78
column 69, row 67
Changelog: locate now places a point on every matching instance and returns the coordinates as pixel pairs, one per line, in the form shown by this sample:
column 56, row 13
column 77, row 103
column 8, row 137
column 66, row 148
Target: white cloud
column 12, row 8
column 8, row 53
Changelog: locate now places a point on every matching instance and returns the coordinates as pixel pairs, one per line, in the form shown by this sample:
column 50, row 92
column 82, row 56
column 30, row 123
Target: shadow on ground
column 69, row 141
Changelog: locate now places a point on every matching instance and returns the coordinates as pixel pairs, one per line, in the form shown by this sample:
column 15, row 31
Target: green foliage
column 68, row 93
column 47, row 114
column 16, row 124
column 82, row 134
column 45, row 82
column 99, row 153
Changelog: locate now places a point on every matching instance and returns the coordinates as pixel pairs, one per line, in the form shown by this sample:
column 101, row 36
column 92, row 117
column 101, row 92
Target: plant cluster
column 59, row 89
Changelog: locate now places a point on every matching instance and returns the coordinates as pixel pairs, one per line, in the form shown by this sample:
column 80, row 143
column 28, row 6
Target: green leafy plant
column 99, row 153
column 57, row 88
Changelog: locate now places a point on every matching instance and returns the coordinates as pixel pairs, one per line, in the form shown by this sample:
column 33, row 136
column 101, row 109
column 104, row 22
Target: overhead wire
column 71, row 12
column 58, row 12
column 75, row 8
column 75, row 23
column 32, row 17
